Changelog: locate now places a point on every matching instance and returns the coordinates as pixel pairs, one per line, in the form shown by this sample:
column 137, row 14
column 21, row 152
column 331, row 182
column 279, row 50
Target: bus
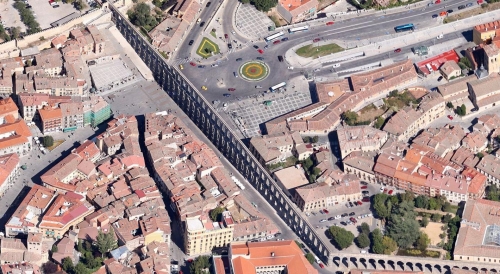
column 299, row 29
column 406, row 27
column 274, row 36
column 278, row 86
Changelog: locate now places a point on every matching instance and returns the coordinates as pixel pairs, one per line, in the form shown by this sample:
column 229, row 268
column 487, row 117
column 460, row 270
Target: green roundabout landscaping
column 254, row 71
column 207, row 48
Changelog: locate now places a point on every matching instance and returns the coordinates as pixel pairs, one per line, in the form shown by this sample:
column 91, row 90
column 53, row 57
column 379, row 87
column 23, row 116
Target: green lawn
column 213, row 34
column 315, row 52
column 206, row 47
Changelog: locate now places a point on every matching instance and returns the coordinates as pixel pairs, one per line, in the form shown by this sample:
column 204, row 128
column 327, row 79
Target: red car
column 231, row 89
column 359, row 203
column 226, row 36
column 192, row 64
column 276, row 42
column 450, row 117
column 260, row 51
column 390, row 192
column 322, row 265
column 385, row 190
column 329, row 23
column 364, row 187
column 479, row 2
column 326, row 211
column 438, row 1
column 316, row 40
column 366, row 199
column 397, row 50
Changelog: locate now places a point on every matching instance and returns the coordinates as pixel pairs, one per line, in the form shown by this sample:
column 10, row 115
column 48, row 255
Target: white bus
column 280, row 85
column 274, row 36
column 299, row 29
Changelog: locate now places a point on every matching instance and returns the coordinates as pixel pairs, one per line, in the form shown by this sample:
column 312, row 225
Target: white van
column 336, row 65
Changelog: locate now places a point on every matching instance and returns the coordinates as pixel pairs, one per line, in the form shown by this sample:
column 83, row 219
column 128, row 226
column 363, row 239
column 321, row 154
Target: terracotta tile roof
column 48, row 114
column 8, row 107
column 456, row 86
column 87, row 150
column 18, row 133
column 64, row 211
column 247, row 257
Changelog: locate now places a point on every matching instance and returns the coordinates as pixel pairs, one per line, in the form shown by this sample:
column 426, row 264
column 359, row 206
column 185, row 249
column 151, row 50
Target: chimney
column 272, row 254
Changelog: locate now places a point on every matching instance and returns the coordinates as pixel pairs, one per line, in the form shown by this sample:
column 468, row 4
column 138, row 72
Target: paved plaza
column 248, row 115
column 251, row 22
column 109, row 74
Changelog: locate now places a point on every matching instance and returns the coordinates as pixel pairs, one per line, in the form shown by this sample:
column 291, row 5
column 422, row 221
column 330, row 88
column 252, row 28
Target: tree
column 433, row 204
column 200, row 265
column 299, row 244
column 464, row 60
column 450, row 105
column 315, row 139
column 407, row 196
column 421, row 201
column 480, row 155
column 389, row 245
column 81, row 269
column 436, row 217
column 264, row 5
column 214, row 214
column 80, row 5
column 425, row 221
column 492, row 192
column 316, row 171
column 446, row 207
column 67, row 264
column 362, row 241
column 379, row 122
column 54, row 248
column 342, row 238
column 446, row 218
column 49, row 267
column 90, row 261
column 423, row 241
column 350, row 117
column 403, row 226
column 14, row 32
column 106, row 241
column 364, row 228
column 310, row 257
column 28, row 63
column 377, row 246
column 381, row 205
column 463, row 110
column 307, row 164
column 48, row 141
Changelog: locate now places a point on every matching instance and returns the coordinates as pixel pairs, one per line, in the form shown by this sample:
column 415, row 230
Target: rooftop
column 292, row 177
column 435, row 62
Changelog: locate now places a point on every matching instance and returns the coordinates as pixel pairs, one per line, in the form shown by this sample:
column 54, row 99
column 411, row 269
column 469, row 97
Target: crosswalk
column 177, row 62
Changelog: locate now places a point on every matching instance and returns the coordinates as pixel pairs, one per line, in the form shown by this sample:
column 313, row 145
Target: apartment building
column 8, row 108
column 361, row 164
column 203, row 234
column 360, row 138
column 491, row 58
column 489, row 166
column 323, row 195
column 271, row 256
column 58, row 86
column 8, row 67
column 450, row 70
column 62, row 176
column 408, row 121
column 95, row 111
column 99, row 41
column 120, row 132
column 72, row 116
column 294, row 11
column 15, row 137
column 51, row 119
column 485, row 92
column 475, row 141
column 9, row 170
column 456, row 91
column 271, row 149
column 440, row 141
column 26, row 217
column 49, row 62
column 486, row 33
column 30, row 103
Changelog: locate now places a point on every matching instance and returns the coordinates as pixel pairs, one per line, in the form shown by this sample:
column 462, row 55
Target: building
column 408, row 121
column 272, row 257
column 360, row 138
column 485, row 93
column 15, row 137
column 456, row 91
column 491, row 58
column 21, row 268
column 323, row 195
column 478, row 236
column 66, row 211
column 95, row 111
column 72, row 116
column 290, row 178
column 51, row 119
column 294, row 11
column 156, row 227
column 431, row 65
column 361, row 164
column 25, row 218
column 486, row 33
column 8, row 108
column 167, row 36
column 450, row 70
column 30, row 103
column 99, row 41
column 202, row 234
column 9, row 170
column 489, row 166
column 274, row 148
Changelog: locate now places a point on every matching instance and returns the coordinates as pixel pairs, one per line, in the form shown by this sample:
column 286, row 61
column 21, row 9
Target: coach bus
column 299, row 29
column 406, row 27
column 278, row 86
column 274, row 36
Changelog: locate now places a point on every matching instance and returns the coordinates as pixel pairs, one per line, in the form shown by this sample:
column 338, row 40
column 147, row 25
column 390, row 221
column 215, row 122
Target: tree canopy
column 106, row 241
column 140, row 15
column 342, row 238
column 214, row 213
column 362, row 241
column 402, row 226
column 200, row 265
column 350, row 117
column 310, row 257
column 264, row 5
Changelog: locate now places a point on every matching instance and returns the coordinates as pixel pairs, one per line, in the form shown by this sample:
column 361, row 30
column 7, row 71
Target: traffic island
column 254, row 71
column 207, row 48
column 315, row 52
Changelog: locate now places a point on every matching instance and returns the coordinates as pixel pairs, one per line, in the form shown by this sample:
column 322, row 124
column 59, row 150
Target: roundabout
column 254, row 71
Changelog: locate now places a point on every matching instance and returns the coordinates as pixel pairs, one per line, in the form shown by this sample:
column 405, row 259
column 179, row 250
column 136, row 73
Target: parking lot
column 10, row 15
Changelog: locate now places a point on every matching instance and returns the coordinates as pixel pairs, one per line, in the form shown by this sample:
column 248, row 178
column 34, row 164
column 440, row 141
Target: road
column 219, row 79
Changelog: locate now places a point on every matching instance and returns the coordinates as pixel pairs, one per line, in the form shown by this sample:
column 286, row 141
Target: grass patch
column 56, row 144
column 275, row 20
column 290, row 161
column 399, row 100
column 207, row 47
column 315, row 52
column 472, row 12
column 453, row 209
column 418, row 253
column 213, row 34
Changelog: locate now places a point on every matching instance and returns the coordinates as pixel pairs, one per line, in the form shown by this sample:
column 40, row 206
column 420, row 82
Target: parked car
column 352, row 214
column 450, row 117
column 350, row 204
column 284, row 39
column 440, row 78
column 382, row 189
column 227, row 95
column 343, row 223
column 266, row 46
column 364, row 183
column 366, row 199
column 469, row 5
column 322, row 265
column 260, row 58
column 329, row 23
column 277, row 234
column 364, row 187
column 235, row 74
column 322, row 220
column 191, row 42
column 255, row 46
column 461, row 7
column 321, row 212
column 201, row 66
column 226, row 36
column 337, row 217
column 276, row 42
column 316, row 40
column 208, row 4
column 397, row 50
column 331, row 218
column 202, row 24
column 239, row 59
column 443, row 13
column 359, row 203
column 326, row 211
column 204, row 88
column 229, row 46
column 181, row 66
column 260, row 51
column 435, row 16
column 390, row 192
column 231, row 89
column 450, row 11
column 344, row 215
column 192, row 64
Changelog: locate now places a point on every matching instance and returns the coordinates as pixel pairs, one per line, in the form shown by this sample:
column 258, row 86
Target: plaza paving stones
column 252, row 22
column 249, row 115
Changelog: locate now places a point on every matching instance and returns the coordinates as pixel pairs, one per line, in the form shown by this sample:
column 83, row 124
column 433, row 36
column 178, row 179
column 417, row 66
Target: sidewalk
column 389, row 43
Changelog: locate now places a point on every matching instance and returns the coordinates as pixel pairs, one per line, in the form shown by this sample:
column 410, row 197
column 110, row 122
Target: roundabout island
column 254, row 71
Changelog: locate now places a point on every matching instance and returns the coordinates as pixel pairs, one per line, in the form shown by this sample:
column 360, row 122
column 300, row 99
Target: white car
column 439, row 36
column 270, row 237
column 382, row 189
column 337, row 217
column 290, row 68
column 336, row 65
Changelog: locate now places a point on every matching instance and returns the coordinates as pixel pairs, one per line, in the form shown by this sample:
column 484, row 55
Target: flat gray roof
column 108, row 73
